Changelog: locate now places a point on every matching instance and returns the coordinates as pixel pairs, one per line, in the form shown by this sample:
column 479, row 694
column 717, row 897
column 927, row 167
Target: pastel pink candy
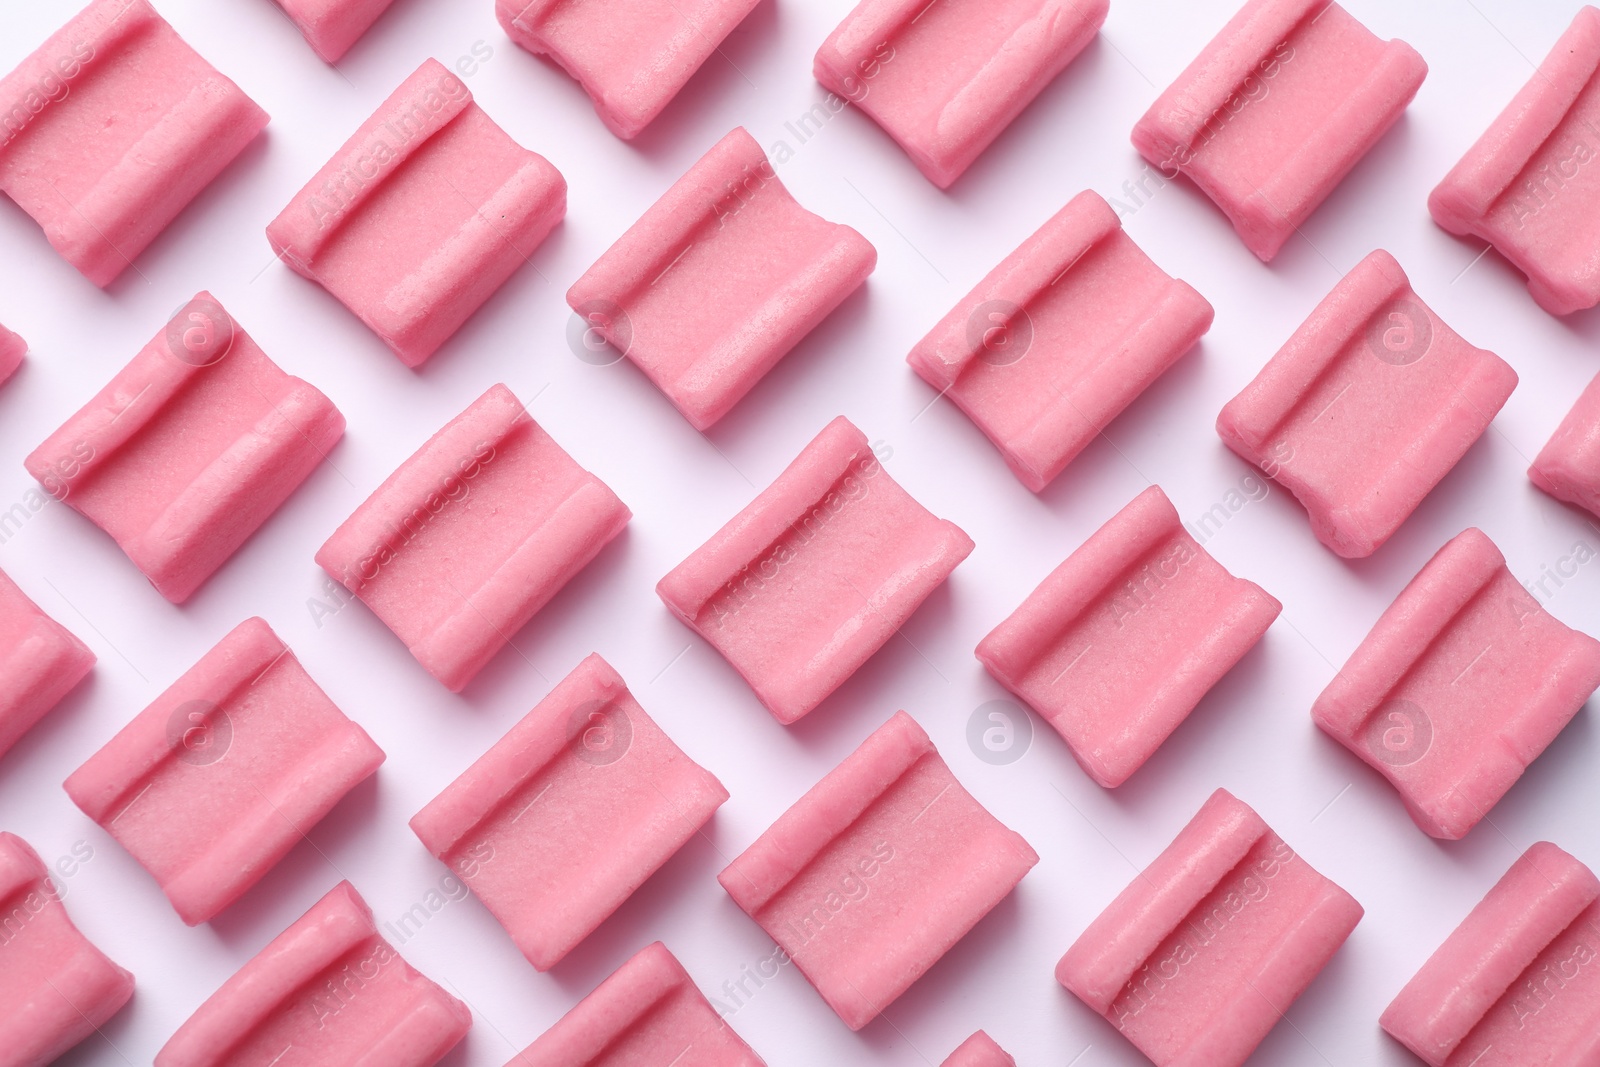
column 1568, row 467
column 422, row 215
column 1117, row 646
column 190, row 448
column 332, row 26
column 1059, row 338
column 719, row 280
column 57, row 988
column 979, row 1050
column 1464, row 680
column 12, row 349
column 631, row 56
column 1369, row 405
column 877, row 871
column 40, row 662
column 330, row 989
column 569, row 813
column 111, row 128
column 1515, row 984
column 462, row 545
column 1525, row 186
column 648, row 1011
column 800, row 588
column 945, row 80
column 1204, row 952
column 214, row 782
column 1276, row 110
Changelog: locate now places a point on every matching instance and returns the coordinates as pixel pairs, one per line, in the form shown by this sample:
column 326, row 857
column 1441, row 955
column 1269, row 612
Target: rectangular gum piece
column 979, row 1050
column 329, row 987
column 1523, row 187
column 1276, row 110
column 214, row 782
column 1059, row 338
column 40, row 662
column 189, row 448
column 1116, row 647
column 332, row 26
column 857, row 554
column 1367, row 407
column 12, row 349
column 877, row 871
column 57, row 987
column 111, row 128
column 727, row 227
column 649, row 1011
column 1515, row 983
column 1201, row 955
column 569, row 813
column 631, row 56
column 472, row 535
column 422, row 215
column 1462, row 683
column 945, row 80
column 1568, row 467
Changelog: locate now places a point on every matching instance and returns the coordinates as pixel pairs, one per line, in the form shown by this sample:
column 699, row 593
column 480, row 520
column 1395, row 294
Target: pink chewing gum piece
column 330, row 988
column 1525, row 186
column 111, row 128
column 856, row 556
column 1200, row 956
column 719, row 280
column 422, row 215
column 1117, row 646
column 979, row 1050
column 569, row 813
column 649, row 1011
column 1276, row 110
column 1568, row 467
column 1515, row 984
column 1059, row 338
column 189, row 448
column 1462, row 682
column 459, row 548
column 631, row 56
column 946, row 79
column 332, row 26
column 1367, row 407
column 40, row 662
column 57, row 988
column 12, row 349
column 227, row 770
column 877, row 871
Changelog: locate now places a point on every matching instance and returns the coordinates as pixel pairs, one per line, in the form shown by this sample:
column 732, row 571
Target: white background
column 1253, row 734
